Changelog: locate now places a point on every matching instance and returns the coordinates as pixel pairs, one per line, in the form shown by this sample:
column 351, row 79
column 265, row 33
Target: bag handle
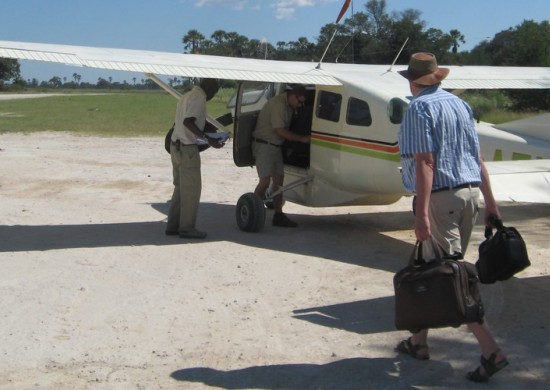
column 494, row 221
column 416, row 255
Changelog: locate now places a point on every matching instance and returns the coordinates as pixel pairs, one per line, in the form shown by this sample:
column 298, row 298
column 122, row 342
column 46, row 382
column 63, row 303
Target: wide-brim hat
column 423, row 70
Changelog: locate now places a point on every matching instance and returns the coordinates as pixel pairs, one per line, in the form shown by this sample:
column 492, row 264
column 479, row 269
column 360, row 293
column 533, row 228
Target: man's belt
column 181, row 143
column 263, row 141
column 465, row 185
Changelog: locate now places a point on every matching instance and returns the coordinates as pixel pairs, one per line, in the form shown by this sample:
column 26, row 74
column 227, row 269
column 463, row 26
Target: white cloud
column 235, row 4
column 284, row 9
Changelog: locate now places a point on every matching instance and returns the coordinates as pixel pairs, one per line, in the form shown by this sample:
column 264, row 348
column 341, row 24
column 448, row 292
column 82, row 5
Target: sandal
column 490, row 366
column 406, row 346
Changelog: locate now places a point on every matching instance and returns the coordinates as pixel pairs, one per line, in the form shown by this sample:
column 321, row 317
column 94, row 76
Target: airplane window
column 358, row 113
column 254, row 94
column 328, row 106
column 396, row 109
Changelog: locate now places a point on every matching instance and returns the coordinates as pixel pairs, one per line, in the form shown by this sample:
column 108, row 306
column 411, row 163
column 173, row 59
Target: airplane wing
column 520, row 181
column 497, row 77
column 169, row 64
column 197, row 65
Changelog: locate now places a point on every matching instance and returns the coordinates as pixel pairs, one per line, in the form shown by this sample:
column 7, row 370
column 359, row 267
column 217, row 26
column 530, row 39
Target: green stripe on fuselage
column 356, row 150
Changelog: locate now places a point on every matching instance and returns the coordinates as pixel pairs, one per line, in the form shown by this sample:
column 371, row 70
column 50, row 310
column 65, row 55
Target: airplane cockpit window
column 254, row 96
column 328, row 106
column 358, row 113
column 396, row 109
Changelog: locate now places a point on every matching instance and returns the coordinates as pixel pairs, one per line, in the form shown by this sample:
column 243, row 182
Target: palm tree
column 456, row 37
column 218, row 37
column 192, row 41
column 76, row 78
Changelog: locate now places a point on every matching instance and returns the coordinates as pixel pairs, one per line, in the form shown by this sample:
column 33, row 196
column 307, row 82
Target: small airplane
column 353, row 113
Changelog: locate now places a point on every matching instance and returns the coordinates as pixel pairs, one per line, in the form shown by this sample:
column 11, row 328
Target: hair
column 425, row 86
column 298, row 91
column 209, row 85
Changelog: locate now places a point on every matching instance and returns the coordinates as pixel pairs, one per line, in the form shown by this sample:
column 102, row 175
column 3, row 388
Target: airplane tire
column 250, row 213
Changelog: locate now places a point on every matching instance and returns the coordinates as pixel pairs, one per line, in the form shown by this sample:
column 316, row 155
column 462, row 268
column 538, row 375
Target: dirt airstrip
column 95, row 296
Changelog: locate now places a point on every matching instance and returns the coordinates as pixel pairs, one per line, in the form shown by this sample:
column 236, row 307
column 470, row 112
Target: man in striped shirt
column 442, row 165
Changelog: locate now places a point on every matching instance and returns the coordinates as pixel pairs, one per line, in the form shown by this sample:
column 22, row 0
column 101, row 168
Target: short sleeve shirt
column 191, row 105
column 276, row 114
column 439, row 122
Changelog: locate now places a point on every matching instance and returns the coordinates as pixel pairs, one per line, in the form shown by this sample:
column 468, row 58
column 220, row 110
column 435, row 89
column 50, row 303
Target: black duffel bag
column 501, row 255
column 168, row 138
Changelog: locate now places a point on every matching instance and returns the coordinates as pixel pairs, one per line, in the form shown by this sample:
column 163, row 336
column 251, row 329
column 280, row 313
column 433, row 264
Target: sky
column 161, row 24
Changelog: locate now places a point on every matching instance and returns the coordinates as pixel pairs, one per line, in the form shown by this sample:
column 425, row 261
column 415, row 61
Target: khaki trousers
column 453, row 215
column 186, row 169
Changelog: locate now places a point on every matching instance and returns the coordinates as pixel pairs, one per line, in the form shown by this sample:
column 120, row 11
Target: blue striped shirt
column 438, row 122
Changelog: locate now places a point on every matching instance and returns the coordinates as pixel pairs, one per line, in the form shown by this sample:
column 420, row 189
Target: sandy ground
column 95, row 296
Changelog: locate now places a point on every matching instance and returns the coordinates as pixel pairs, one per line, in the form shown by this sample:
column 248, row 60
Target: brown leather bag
column 436, row 294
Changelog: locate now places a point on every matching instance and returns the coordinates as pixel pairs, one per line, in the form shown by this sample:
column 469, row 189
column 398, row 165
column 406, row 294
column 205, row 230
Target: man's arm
column 290, row 136
column 191, row 124
column 424, row 163
column 485, row 187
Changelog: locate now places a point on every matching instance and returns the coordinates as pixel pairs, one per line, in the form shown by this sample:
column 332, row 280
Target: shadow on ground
column 356, row 373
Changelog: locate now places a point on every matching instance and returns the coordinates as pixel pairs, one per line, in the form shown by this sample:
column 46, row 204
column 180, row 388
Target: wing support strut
column 178, row 95
column 163, row 85
column 290, row 186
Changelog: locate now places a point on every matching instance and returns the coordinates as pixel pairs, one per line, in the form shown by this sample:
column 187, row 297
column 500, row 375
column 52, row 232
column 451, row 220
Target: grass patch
column 112, row 114
column 493, row 106
column 151, row 113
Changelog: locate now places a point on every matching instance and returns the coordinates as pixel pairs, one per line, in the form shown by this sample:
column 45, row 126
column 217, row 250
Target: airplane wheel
column 250, row 213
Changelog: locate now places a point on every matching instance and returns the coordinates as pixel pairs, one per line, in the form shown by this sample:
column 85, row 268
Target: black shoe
column 490, row 367
column 282, row 220
column 193, row 233
column 171, row 232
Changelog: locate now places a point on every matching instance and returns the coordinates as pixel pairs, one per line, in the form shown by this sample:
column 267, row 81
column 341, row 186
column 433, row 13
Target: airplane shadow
column 364, row 317
column 353, row 373
column 344, row 237
column 506, row 303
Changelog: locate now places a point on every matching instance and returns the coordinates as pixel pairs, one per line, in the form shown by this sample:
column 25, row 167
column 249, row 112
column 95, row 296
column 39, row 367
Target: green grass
column 147, row 113
column 112, row 114
column 503, row 116
column 492, row 106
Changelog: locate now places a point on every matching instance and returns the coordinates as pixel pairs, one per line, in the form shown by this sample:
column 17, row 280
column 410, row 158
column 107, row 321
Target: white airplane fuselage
column 356, row 164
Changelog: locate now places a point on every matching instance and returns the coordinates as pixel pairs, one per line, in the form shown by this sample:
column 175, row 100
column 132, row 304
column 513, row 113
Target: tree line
column 375, row 36
column 371, row 36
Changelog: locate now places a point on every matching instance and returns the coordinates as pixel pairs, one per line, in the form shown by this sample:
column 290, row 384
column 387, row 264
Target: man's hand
column 214, row 142
column 422, row 228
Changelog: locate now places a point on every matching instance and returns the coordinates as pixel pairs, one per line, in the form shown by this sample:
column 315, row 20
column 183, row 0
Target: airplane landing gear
column 250, row 213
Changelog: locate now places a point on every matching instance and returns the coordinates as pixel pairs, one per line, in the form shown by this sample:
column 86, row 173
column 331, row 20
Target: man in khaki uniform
column 268, row 136
column 186, row 163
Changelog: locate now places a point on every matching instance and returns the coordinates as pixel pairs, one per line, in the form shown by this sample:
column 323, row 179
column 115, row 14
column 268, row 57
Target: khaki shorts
column 269, row 159
column 453, row 215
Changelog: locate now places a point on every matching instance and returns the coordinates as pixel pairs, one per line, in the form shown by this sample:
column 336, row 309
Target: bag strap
column 416, row 255
column 494, row 221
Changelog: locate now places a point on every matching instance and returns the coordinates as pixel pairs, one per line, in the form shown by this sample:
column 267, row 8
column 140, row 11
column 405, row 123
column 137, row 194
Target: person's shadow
column 353, row 373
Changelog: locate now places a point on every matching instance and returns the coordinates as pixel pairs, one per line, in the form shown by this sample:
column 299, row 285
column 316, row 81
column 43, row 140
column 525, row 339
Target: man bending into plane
column 272, row 129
